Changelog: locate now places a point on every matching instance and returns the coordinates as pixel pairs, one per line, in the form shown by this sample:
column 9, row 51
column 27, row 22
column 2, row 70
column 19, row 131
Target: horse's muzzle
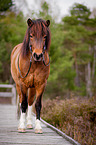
column 37, row 57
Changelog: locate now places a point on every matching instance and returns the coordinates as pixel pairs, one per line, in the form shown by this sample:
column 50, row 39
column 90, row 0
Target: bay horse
column 30, row 68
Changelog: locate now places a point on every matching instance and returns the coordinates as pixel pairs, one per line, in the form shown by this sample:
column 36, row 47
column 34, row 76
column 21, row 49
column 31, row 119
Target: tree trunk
column 77, row 81
column 94, row 63
column 88, row 78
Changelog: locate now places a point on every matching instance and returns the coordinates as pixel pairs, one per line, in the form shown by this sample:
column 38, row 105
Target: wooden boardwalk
column 9, row 134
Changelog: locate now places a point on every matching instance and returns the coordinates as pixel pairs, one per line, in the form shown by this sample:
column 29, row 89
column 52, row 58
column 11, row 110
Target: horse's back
column 14, row 60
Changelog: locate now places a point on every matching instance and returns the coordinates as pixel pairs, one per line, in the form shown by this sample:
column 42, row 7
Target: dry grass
column 75, row 117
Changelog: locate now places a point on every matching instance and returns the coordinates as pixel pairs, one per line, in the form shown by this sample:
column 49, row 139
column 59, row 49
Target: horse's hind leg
column 31, row 94
column 22, row 126
column 18, row 101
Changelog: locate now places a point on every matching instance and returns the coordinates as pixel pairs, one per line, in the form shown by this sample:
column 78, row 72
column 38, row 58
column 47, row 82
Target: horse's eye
column 45, row 37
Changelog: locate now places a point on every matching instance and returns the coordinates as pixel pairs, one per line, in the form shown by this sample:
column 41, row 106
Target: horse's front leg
column 38, row 105
column 24, row 104
column 31, row 95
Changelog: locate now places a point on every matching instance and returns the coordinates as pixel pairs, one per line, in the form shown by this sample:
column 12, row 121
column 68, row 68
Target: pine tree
column 5, row 5
column 79, row 38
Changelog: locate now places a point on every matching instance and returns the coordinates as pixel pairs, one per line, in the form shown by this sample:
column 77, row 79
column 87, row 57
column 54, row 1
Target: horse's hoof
column 29, row 126
column 21, row 130
column 38, row 131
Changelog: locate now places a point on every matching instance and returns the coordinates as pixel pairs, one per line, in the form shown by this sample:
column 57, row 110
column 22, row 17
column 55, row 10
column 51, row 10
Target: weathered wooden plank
column 10, row 135
column 5, row 86
column 6, row 94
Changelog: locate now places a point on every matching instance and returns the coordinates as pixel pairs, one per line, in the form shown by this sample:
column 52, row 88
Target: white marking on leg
column 20, row 104
column 22, row 121
column 38, row 128
column 29, row 117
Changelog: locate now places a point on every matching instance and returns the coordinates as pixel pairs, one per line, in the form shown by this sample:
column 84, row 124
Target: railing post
column 14, row 95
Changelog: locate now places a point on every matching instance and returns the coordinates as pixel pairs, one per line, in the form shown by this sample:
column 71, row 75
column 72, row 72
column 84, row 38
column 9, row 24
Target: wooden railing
column 11, row 94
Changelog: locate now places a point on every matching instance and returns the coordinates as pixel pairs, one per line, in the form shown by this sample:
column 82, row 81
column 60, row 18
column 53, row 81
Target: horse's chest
column 39, row 77
column 36, row 78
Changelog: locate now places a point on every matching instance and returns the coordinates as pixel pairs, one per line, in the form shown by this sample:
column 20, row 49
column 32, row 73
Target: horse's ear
column 30, row 22
column 47, row 23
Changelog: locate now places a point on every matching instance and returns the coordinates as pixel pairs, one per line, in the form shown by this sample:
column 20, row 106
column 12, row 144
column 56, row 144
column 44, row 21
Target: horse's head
column 37, row 38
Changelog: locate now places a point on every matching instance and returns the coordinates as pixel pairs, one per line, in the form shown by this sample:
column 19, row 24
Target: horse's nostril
column 41, row 55
column 34, row 54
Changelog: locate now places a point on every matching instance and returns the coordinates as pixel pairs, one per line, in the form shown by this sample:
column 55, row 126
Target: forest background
column 73, row 61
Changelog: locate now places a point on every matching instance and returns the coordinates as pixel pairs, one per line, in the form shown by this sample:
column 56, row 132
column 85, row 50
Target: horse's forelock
column 39, row 28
